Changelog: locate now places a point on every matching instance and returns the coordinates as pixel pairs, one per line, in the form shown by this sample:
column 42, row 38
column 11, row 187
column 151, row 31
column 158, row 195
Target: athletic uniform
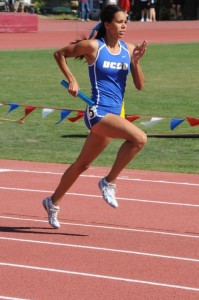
column 108, row 81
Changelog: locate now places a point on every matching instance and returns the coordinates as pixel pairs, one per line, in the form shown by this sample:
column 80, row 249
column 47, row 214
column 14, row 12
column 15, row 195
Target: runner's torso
column 108, row 76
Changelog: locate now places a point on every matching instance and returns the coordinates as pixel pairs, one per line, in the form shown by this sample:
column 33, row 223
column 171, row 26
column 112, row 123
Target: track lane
column 142, row 257
column 118, row 265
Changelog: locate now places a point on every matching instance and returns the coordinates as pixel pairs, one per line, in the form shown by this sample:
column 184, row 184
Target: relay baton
column 81, row 95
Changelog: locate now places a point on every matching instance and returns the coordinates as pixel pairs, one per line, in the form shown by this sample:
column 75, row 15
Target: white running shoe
column 52, row 211
column 108, row 192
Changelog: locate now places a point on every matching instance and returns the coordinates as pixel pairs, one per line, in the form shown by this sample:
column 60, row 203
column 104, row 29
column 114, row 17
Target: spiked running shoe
column 108, row 192
column 52, row 211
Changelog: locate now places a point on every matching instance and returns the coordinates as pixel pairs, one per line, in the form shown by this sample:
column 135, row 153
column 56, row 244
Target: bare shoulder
column 88, row 44
column 91, row 50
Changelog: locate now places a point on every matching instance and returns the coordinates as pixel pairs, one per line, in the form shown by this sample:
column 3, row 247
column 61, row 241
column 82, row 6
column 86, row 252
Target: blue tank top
column 108, row 76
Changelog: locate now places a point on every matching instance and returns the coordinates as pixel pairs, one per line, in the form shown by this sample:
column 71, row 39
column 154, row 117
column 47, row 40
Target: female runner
column 109, row 61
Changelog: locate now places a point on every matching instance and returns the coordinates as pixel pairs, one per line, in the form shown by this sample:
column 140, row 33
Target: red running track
column 55, row 34
column 145, row 249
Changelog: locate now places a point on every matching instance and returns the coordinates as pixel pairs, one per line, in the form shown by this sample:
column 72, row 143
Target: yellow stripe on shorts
column 122, row 114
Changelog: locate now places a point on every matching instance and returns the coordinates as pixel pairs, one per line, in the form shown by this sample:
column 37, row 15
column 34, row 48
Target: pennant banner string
column 64, row 113
column 38, row 106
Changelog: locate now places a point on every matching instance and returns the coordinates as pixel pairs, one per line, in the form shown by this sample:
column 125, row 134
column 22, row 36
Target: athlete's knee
column 141, row 140
column 81, row 167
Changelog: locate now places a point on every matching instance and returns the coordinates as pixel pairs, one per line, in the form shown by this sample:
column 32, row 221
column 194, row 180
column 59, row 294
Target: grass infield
column 171, row 91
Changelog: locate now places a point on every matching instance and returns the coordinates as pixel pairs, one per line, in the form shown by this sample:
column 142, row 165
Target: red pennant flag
column 131, row 118
column 192, row 121
column 29, row 109
column 80, row 114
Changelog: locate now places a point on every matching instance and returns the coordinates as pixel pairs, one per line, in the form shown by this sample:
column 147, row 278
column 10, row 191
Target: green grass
column 171, row 91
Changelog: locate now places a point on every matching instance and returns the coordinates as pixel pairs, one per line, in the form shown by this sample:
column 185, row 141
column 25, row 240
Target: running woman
column 109, row 61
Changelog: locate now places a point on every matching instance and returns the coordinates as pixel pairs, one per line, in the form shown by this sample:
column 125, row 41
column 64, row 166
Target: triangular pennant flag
column 13, row 106
column 192, row 121
column 153, row 121
column 64, row 114
column 131, row 118
column 46, row 112
column 175, row 122
column 29, row 109
column 80, row 114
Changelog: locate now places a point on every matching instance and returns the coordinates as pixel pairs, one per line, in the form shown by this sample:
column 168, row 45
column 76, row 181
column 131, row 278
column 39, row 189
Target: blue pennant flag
column 13, row 106
column 175, row 122
column 64, row 114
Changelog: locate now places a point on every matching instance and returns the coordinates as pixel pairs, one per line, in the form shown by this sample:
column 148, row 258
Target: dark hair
column 106, row 15
column 108, row 12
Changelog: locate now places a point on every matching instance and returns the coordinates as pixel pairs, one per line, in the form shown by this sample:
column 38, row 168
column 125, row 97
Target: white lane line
column 98, row 276
column 109, row 228
column 187, row 259
column 2, row 171
column 11, row 298
column 124, row 178
column 98, row 196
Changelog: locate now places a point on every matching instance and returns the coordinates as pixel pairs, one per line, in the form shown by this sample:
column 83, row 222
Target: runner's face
column 118, row 26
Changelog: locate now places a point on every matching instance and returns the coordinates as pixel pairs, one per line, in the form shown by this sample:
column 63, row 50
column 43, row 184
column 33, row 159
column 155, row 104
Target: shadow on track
column 35, row 230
